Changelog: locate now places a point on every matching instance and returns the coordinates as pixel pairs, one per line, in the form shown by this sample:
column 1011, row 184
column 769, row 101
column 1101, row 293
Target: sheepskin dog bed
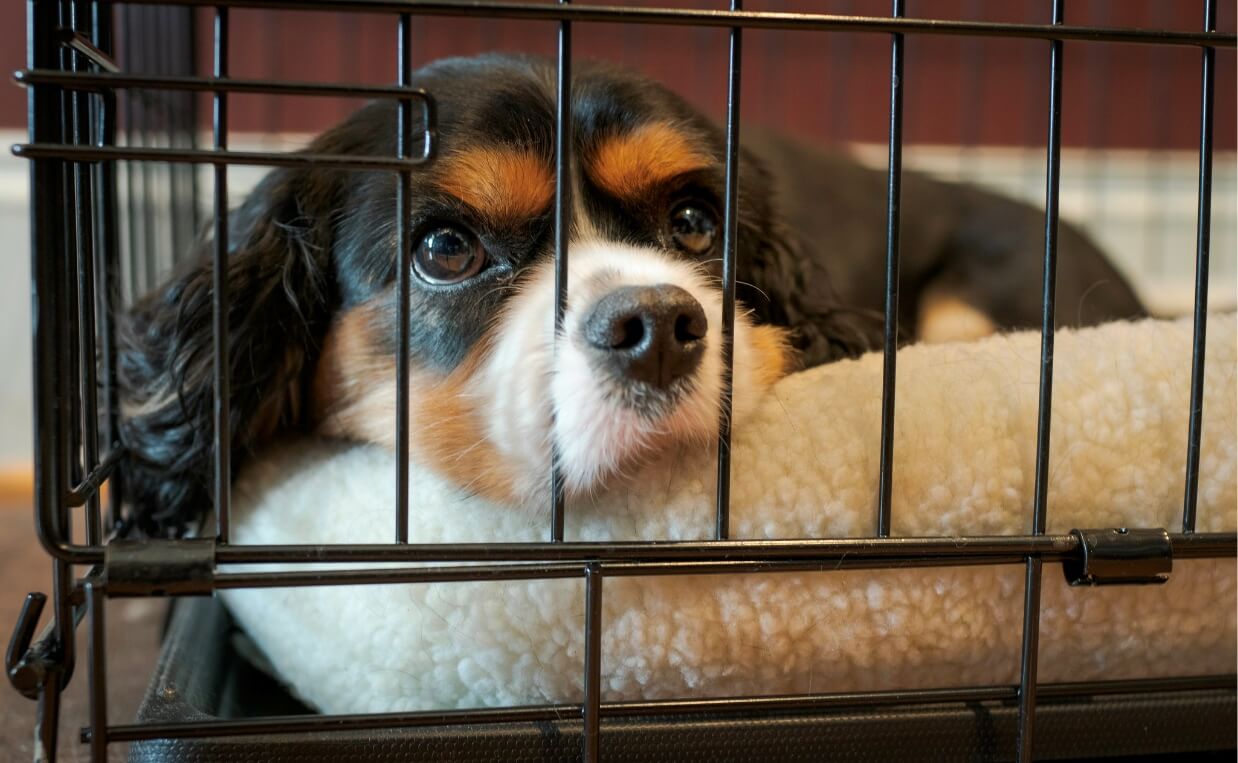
column 805, row 466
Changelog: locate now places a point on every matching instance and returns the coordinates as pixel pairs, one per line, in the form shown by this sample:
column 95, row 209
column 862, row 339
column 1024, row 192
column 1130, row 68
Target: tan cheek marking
column 944, row 317
column 773, row 357
column 449, row 431
column 628, row 165
column 354, row 398
column 501, row 184
column 346, row 368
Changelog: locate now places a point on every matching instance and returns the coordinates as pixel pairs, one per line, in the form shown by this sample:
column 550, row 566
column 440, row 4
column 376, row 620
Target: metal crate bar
column 1030, row 651
column 108, row 253
column 889, row 375
column 98, row 672
column 105, row 82
column 388, row 576
column 51, row 343
column 214, row 157
column 542, row 713
column 85, row 46
column 1048, row 547
column 563, row 222
column 730, row 229
column 947, row 550
column 404, row 216
column 134, row 283
column 219, row 295
column 591, row 711
column 509, row 571
column 89, row 486
column 72, row 387
column 919, row 696
column 1202, row 245
column 81, row 210
column 742, row 19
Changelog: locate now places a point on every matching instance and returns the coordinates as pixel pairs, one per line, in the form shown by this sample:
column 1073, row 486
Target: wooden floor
column 133, row 633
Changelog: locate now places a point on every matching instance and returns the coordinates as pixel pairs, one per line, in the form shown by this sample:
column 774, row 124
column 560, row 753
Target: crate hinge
column 1120, row 556
column 159, row 568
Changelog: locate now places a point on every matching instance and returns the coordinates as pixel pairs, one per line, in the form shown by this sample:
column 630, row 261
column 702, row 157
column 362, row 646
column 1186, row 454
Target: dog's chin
column 608, row 429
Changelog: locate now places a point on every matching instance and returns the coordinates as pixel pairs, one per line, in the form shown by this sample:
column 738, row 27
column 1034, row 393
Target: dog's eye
column 693, row 227
column 448, row 255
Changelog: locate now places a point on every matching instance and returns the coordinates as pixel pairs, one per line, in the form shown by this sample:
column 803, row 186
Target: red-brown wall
column 827, row 85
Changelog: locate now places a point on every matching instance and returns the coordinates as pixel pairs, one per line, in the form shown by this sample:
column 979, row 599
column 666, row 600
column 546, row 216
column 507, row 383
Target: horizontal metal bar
column 371, row 721
column 208, row 156
column 100, row 81
column 753, row 550
column 917, row 696
column 808, row 554
column 1047, row 547
column 389, row 576
column 525, row 571
column 742, row 19
column 359, row 722
column 78, row 495
column 1203, row 545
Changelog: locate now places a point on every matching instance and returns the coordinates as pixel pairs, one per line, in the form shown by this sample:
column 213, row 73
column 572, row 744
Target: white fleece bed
column 804, row 466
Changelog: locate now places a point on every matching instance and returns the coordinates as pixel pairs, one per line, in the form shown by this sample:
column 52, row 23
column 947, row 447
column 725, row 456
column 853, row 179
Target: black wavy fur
column 278, row 296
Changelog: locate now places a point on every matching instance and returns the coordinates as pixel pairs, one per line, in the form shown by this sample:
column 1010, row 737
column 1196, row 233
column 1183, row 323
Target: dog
column 312, row 300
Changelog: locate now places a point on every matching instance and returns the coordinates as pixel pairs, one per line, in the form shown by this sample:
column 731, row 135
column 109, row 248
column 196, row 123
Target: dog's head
column 313, row 303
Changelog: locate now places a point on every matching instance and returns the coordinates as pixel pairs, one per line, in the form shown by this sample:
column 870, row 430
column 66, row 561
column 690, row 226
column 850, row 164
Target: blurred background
column 975, row 109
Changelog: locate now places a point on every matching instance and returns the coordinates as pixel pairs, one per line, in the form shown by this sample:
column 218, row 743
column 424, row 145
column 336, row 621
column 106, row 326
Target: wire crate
column 115, row 166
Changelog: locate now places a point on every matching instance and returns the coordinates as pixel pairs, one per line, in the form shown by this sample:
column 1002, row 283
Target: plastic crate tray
column 201, row 675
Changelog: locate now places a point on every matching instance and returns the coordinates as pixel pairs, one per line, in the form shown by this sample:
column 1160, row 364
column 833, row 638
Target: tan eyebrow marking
column 502, row 184
column 629, row 164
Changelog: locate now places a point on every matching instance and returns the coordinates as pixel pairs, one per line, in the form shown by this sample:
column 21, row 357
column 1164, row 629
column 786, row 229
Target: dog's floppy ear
column 278, row 294
column 784, row 286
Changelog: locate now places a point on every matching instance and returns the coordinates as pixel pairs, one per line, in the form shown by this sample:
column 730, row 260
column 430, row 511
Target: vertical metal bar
column 592, row 709
column 49, row 321
column 219, row 297
column 148, row 27
column 1203, row 231
column 1029, row 657
column 404, row 204
column 167, row 125
column 71, row 384
column 97, row 655
column 894, row 187
column 730, row 229
column 1031, row 604
column 108, row 263
column 48, row 715
column 191, row 119
column 82, row 208
column 128, row 53
column 563, row 207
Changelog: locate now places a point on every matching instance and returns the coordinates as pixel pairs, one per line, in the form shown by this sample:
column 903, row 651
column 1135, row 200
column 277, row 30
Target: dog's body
column 958, row 244
column 313, row 306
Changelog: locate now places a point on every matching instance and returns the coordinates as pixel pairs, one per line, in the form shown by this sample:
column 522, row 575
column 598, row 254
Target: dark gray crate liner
column 201, row 675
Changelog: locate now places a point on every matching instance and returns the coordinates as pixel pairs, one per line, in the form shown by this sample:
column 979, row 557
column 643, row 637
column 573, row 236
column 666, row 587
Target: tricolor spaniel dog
column 312, row 302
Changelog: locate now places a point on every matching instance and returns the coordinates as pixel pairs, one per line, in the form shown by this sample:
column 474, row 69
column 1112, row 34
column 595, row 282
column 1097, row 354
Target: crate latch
column 159, row 567
column 1120, row 556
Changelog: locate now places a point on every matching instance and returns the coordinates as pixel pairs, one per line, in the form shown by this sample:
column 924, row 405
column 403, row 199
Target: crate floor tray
column 202, row 677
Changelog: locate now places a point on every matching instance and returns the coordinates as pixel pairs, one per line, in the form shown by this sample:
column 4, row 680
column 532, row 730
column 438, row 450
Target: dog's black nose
column 651, row 334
